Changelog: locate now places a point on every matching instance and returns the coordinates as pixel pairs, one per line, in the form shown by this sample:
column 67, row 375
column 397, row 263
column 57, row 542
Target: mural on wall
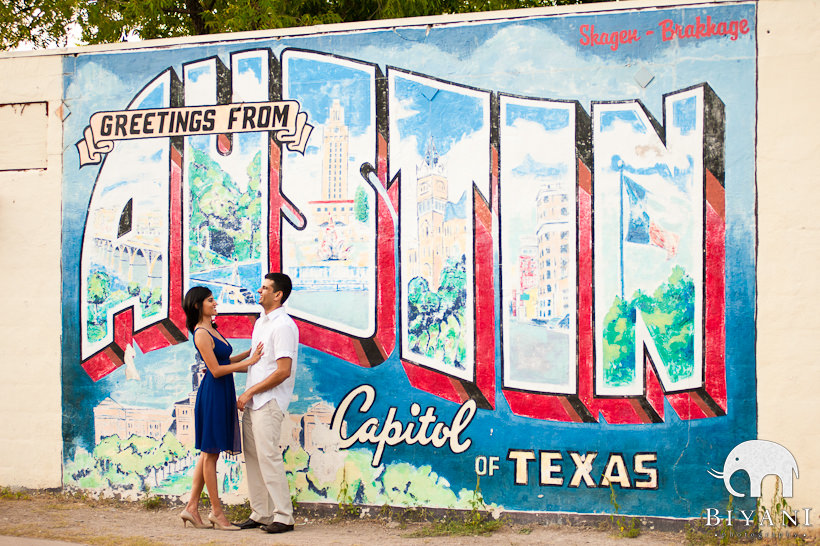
column 505, row 266
column 332, row 259
column 539, row 244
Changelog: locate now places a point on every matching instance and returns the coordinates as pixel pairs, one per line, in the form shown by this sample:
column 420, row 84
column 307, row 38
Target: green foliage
column 153, row 503
column 477, row 522
column 779, row 508
column 136, row 463
column 151, row 300
column 296, row 458
column 8, row 493
column 669, row 314
column 220, row 209
column 624, row 528
column 345, row 499
column 237, row 512
column 435, row 318
column 406, row 484
column 99, row 290
column 397, row 484
column 102, row 296
column 42, row 23
column 96, row 331
column 99, row 287
column 46, row 22
column 360, row 206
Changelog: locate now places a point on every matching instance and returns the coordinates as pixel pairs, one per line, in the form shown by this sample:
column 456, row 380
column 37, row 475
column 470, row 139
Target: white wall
column 30, row 392
column 788, row 293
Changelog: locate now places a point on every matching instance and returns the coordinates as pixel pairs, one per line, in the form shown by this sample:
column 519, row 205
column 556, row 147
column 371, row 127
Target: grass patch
column 237, row 512
column 473, row 525
column 121, row 541
column 347, row 510
column 623, row 526
column 81, row 538
column 477, row 522
column 153, row 503
column 9, row 494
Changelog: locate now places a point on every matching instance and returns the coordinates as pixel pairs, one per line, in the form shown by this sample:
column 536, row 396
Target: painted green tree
column 133, row 289
column 98, row 294
column 669, row 314
column 224, row 220
column 360, row 205
column 436, row 319
column 137, row 463
column 105, row 292
column 394, row 484
column 99, row 288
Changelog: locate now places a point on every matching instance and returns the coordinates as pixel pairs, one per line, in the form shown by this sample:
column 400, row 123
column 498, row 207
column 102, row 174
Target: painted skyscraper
column 334, row 204
column 442, row 224
column 553, row 235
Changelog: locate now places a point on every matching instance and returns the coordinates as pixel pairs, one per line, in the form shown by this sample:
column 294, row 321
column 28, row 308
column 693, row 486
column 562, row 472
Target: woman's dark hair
column 192, row 305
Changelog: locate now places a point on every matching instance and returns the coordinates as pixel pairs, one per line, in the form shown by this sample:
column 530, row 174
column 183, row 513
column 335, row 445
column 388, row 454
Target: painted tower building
column 553, row 239
column 442, row 224
column 334, row 205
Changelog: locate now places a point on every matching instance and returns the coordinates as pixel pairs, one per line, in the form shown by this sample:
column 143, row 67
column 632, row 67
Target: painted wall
column 523, row 249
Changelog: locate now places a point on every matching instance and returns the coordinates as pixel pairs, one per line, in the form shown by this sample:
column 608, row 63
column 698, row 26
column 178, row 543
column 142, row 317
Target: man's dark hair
column 281, row 283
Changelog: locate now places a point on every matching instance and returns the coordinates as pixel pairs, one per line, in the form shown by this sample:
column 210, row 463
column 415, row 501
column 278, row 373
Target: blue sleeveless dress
column 215, row 418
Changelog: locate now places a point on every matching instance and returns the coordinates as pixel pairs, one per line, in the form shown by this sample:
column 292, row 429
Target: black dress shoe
column 277, row 527
column 248, row 524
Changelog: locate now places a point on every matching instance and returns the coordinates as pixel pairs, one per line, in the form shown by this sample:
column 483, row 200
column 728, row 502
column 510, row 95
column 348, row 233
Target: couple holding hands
column 271, row 368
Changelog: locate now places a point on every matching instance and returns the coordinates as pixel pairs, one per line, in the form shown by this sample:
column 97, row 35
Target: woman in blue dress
column 215, row 417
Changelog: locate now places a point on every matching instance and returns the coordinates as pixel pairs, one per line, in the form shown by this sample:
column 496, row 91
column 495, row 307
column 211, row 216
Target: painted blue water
column 249, row 276
column 348, row 308
column 165, row 376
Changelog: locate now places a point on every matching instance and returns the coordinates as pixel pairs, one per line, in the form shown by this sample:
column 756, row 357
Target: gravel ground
column 49, row 517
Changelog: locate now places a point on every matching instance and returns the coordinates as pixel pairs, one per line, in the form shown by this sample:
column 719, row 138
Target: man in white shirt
column 268, row 390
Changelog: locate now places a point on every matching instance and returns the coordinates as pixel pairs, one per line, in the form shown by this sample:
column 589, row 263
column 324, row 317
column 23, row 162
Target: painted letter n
column 659, row 263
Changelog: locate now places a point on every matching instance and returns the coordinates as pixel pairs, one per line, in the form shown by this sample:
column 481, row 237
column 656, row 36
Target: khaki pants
column 267, row 483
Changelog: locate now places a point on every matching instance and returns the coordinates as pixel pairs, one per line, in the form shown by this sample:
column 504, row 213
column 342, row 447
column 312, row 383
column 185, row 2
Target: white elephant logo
column 759, row 458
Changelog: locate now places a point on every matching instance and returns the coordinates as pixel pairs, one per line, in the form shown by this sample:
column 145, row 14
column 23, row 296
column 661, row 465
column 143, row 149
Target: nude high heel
column 219, row 526
column 187, row 517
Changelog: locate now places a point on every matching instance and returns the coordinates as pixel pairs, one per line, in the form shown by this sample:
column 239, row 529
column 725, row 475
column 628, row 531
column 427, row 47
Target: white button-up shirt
column 280, row 338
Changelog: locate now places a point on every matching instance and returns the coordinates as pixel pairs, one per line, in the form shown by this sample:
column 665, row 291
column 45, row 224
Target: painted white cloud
column 468, row 161
column 86, row 84
column 527, row 60
column 402, row 109
column 135, row 168
column 529, row 138
column 247, row 87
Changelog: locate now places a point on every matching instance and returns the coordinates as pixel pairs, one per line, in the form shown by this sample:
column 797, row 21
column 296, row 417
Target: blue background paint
column 537, row 57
